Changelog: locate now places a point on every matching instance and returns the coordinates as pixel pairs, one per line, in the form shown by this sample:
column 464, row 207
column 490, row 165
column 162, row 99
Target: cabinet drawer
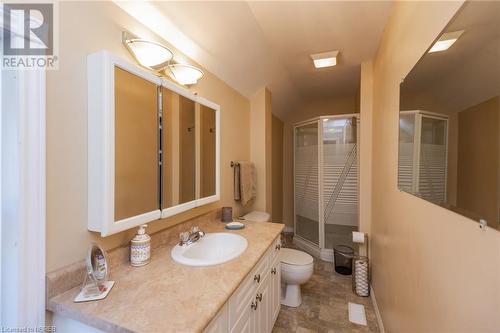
column 247, row 289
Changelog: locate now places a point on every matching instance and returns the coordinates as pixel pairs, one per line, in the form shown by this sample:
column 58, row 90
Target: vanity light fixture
column 446, row 41
column 148, row 53
column 325, row 59
column 184, row 74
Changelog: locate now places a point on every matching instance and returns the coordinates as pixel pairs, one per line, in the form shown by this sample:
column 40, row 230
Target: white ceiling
column 252, row 44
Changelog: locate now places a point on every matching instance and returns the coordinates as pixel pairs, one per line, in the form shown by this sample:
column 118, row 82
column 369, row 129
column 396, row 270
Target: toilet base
column 291, row 296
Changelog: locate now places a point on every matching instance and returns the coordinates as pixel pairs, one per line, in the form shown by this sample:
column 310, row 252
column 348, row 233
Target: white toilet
column 296, row 267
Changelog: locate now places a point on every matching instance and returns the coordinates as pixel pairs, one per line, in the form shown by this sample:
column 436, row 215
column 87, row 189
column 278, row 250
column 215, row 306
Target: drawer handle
column 258, row 297
column 254, row 305
column 278, row 247
column 256, row 278
column 273, row 271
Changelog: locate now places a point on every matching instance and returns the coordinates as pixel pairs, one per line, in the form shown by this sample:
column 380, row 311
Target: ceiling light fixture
column 147, row 53
column 446, row 41
column 184, row 74
column 325, row 59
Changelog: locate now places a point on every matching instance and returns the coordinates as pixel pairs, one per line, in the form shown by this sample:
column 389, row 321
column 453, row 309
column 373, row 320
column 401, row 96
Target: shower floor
column 335, row 234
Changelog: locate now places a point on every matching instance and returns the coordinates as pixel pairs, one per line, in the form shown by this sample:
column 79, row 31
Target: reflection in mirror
column 187, row 152
column 136, row 154
column 178, row 149
column 449, row 141
column 207, row 151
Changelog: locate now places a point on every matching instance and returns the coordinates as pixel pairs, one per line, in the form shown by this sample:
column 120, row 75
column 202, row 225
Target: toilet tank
column 257, row 216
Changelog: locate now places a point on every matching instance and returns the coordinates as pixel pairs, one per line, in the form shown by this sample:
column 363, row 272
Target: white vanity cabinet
column 255, row 305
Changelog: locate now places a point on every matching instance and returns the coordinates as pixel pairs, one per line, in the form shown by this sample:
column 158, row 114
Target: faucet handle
column 184, row 237
column 195, row 229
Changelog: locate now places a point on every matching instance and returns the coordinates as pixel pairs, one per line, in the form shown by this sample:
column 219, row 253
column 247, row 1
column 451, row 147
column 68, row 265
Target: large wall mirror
column 449, row 141
column 154, row 147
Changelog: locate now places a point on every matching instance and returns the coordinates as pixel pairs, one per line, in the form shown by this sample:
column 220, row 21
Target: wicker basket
column 360, row 276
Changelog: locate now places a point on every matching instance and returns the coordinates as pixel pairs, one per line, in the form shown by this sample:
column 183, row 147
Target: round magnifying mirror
column 95, row 285
column 97, row 266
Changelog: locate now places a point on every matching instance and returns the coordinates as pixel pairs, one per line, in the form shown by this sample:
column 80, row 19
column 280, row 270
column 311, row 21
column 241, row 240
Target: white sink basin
column 212, row 249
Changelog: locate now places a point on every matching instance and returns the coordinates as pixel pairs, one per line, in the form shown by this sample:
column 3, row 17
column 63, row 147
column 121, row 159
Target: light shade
column 325, row 59
column 445, row 41
column 184, row 74
column 148, row 53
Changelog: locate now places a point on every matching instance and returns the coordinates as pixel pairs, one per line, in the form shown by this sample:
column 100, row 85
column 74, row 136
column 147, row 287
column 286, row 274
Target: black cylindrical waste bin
column 343, row 255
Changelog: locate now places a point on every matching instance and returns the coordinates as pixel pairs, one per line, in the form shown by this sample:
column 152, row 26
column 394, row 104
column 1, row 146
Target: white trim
column 312, row 120
column 427, row 113
column 23, row 200
column 321, row 212
column 377, row 311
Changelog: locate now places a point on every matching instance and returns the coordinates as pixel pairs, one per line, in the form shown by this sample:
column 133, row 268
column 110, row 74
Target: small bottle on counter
column 140, row 248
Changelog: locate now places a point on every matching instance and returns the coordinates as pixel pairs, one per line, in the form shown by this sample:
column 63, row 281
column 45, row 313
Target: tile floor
column 324, row 305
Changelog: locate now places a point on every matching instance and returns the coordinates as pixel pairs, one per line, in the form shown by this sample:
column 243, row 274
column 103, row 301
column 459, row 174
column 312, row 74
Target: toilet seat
column 291, row 257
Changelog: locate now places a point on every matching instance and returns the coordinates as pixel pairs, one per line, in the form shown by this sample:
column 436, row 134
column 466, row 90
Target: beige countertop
column 165, row 296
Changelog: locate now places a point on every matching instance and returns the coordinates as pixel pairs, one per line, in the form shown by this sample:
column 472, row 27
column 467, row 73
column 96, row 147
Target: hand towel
column 248, row 182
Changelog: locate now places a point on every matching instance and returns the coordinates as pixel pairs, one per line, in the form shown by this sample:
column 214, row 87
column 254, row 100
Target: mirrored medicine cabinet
column 153, row 147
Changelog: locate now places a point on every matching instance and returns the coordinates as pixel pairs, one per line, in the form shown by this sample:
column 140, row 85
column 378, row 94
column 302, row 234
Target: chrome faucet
column 190, row 237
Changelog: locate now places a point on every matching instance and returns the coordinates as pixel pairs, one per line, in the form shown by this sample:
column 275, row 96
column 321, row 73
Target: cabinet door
column 262, row 320
column 275, row 283
column 246, row 320
column 136, row 146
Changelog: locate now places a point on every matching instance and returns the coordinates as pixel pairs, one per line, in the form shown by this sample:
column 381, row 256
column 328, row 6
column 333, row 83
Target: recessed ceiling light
column 445, row 41
column 325, row 59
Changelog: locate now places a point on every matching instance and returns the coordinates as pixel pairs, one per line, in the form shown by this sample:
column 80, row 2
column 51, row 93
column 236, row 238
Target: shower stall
column 326, row 154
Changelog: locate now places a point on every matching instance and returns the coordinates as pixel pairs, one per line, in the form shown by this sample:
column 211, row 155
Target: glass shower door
column 433, row 159
column 306, row 182
column 340, row 180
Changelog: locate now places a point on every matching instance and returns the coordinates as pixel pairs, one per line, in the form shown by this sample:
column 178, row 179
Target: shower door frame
column 319, row 250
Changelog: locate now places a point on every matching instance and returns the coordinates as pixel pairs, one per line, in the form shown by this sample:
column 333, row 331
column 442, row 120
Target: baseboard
column 377, row 312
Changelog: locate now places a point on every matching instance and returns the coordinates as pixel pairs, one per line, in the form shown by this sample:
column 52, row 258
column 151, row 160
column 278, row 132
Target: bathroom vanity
column 242, row 295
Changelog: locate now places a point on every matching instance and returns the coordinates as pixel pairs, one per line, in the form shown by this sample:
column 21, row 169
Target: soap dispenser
column 140, row 248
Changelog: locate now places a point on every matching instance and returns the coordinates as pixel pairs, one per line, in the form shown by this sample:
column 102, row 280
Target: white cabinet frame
column 101, row 145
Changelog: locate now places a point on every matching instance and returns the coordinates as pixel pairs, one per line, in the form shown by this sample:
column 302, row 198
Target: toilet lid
column 257, row 216
column 295, row 257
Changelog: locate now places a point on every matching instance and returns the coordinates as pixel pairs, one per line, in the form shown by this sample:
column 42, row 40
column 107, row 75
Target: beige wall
column 277, row 170
column 307, row 111
column 477, row 180
column 432, row 270
column 261, row 148
column 103, row 22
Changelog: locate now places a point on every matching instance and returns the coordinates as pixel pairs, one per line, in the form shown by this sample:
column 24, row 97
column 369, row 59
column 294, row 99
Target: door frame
column 22, row 220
